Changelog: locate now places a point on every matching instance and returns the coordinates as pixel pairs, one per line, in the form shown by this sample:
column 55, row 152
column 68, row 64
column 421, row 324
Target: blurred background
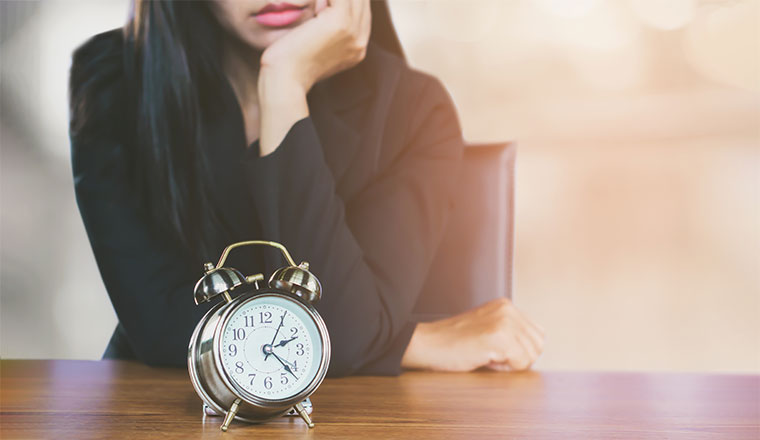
column 638, row 171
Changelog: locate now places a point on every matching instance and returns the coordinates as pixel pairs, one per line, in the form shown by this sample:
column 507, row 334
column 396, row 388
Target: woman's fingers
column 356, row 12
column 518, row 342
column 526, row 357
column 499, row 366
column 537, row 328
column 342, row 5
column 532, row 350
column 535, row 333
column 320, row 5
column 363, row 15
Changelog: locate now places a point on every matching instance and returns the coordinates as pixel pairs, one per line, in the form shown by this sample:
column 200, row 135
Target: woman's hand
column 335, row 40
column 495, row 335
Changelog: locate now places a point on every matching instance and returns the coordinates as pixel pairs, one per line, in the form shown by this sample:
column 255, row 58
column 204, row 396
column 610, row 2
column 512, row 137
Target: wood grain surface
column 116, row 399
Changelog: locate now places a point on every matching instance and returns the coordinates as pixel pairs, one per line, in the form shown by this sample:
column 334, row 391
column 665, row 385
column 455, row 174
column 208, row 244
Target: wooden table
column 114, row 399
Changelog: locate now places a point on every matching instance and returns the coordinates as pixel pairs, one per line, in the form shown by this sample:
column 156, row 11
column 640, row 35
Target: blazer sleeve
column 371, row 253
column 148, row 279
column 149, row 282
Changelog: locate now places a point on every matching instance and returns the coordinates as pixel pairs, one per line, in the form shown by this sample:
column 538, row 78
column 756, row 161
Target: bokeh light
column 723, row 43
column 664, row 15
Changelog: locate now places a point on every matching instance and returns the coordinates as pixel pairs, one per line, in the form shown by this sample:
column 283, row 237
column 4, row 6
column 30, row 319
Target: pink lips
column 278, row 15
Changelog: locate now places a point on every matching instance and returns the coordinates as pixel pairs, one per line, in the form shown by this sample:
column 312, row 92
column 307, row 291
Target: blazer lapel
column 330, row 104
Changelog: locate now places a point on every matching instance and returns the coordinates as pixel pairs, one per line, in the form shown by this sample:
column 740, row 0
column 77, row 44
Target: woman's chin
column 264, row 38
column 261, row 37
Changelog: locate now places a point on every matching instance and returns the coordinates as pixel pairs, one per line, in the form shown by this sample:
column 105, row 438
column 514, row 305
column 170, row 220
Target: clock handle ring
column 273, row 244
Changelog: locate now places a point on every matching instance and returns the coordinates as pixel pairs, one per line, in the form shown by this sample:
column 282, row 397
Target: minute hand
column 282, row 318
column 287, row 368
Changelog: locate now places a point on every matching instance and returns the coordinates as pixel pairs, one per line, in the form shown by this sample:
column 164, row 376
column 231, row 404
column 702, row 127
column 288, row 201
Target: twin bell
column 223, row 280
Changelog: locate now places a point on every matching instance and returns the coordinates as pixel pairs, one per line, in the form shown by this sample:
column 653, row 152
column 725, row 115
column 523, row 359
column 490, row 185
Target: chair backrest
column 473, row 264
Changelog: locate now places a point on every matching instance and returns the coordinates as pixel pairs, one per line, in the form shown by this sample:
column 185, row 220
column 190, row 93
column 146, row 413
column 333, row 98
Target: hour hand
column 285, row 341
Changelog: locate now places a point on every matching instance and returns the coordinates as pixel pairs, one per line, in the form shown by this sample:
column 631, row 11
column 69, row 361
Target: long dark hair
column 172, row 61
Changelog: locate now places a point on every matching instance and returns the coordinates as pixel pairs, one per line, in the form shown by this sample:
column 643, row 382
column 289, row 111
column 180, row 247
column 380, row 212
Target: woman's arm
column 385, row 238
column 149, row 281
column 335, row 40
column 373, row 252
column 150, row 284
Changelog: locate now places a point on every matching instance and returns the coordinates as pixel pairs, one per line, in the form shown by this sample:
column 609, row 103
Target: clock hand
column 287, row 368
column 285, row 341
column 266, row 356
column 291, row 364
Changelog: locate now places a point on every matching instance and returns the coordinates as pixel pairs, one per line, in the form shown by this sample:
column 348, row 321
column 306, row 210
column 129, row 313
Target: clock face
column 271, row 347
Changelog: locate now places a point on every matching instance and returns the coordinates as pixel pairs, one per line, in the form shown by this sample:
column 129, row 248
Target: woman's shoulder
column 391, row 70
column 416, row 104
column 100, row 47
column 407, row 95
column 97, row 85
column 390, row 83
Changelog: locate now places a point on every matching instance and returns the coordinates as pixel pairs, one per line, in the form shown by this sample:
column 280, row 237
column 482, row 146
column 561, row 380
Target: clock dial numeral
column 271, row 348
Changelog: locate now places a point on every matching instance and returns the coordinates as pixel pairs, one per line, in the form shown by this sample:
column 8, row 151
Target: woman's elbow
column 343, row 364
column 158, row 352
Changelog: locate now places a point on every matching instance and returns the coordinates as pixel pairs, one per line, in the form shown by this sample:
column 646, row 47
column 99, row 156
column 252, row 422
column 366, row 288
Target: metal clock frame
column 207, row 374
column 216, row 388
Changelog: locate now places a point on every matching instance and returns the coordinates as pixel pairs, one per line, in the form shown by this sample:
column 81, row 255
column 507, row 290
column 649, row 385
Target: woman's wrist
column 282, row 102
column 417, row 354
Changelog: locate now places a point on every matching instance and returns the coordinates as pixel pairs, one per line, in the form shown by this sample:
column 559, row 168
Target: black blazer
column 361, row 189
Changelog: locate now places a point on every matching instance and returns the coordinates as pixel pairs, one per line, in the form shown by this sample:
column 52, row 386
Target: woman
column 203, row 123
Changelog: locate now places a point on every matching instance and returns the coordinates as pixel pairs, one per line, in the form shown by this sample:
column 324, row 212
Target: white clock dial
column 271, row 347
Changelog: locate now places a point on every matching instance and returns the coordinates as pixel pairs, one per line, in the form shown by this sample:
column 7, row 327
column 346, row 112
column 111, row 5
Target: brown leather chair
column 473, row 264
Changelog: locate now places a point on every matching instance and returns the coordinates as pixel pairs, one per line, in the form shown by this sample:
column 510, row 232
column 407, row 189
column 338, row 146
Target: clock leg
column 304, row 415
column 307, row 406
column 230, row 415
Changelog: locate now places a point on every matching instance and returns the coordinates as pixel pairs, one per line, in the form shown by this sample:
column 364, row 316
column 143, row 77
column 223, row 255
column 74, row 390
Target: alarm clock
column 263, row 349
